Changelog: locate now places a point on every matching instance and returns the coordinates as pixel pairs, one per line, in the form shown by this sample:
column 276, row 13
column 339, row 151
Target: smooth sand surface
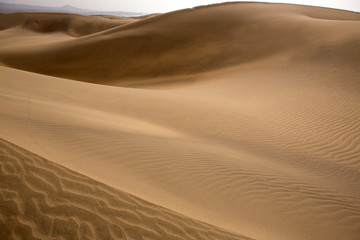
column 243, row 116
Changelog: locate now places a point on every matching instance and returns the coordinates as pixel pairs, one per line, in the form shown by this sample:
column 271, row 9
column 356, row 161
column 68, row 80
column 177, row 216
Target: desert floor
column 231, row 121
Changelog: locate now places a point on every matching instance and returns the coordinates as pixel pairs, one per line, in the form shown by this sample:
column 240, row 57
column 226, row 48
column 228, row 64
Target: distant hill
column 12, row 8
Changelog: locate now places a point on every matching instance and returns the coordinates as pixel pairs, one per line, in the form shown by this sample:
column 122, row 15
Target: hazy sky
column 149, row 6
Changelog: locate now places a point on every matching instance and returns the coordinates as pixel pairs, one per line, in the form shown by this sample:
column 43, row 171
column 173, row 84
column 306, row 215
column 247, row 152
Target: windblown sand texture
column 69, row 205
column 243, row 119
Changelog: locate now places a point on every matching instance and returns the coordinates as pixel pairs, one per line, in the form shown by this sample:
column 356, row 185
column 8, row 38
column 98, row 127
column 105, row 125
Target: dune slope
column 244, row 116
column 251, row 156
column 40, row 199
column 191, row 41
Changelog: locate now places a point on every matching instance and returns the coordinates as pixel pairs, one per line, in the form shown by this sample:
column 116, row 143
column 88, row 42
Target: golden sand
column 243, row 119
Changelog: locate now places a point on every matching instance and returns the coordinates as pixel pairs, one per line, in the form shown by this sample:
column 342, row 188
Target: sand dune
column 192, row 41
column 41, row 200
column 244, row 116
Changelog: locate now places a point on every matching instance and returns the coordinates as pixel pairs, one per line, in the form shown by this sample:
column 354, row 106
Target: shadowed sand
column 184, row 42
column 244, row 116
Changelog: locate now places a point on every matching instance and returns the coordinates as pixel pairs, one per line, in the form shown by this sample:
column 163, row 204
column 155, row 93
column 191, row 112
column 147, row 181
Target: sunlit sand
column 232, row 121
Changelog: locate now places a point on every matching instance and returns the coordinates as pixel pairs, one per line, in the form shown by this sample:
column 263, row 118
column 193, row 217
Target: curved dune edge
column 268, row 148
column 41, row 199
column 298, row 181
column 191, row 41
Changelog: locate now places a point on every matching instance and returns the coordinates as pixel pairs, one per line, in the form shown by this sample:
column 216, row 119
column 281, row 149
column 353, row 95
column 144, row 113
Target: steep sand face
column 264, row 142
column 40, row 200
column 192, row 41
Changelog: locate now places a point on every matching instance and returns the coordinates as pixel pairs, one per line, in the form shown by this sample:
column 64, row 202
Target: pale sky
column 161, row 6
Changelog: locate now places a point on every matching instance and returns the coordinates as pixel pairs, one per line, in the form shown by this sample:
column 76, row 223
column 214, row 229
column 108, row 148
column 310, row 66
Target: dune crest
column 189, row 42
column 244, row 116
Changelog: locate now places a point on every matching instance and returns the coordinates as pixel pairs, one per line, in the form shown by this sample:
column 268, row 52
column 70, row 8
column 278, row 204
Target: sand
column 72, row 206
column 242, row 119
